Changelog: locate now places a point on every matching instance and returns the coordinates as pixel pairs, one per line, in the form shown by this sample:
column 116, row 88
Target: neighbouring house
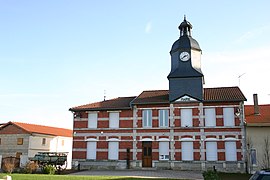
column 23, row 140
column 187, row 127
column 258, row 135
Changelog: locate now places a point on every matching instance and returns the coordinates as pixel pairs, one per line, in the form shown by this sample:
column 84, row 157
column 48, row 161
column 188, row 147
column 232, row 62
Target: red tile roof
column 40, row 129
column 112, row 104
column 262, row 119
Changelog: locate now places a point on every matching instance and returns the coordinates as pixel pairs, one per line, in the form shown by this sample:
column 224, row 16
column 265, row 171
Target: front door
column 146, row 154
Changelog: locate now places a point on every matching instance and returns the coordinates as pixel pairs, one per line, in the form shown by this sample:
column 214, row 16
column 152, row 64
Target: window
column 19, row 141
column 211, row 151
column 230, row 151
column 186, row 117
column 253, row 157
column 43, row 141
column 147, row 118
column 187, row 151
column 92, row 120
column 91, row 149
column 210, row 117
column 114, row 120
column 113, row 150
column 163, row 150
column 163, row 117
column 228, row 116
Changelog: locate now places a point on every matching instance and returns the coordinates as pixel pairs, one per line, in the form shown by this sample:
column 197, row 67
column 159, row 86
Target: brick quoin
column 177, row 156
column 177, row 123
column 79, row 154
column 139, row 123
column 195, row 111
column 79, row 144
column 155, row 113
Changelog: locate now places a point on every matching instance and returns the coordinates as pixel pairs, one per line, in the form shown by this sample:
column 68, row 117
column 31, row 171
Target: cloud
column 148, row 27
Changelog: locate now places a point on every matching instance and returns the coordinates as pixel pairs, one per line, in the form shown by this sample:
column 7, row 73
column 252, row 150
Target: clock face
column 184, row 56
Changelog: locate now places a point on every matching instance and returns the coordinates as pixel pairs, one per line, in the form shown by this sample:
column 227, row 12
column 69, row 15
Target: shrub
column 31, row 167
column 210, row 175
column 9, row 167
column 49, row 169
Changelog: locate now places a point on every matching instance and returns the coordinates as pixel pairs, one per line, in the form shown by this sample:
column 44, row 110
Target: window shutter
column 114, row 120
column 113, row 150
column 210, row 117
column 92, row 120
column 211, row 151
column 187, row 151
column 91, row 150
column 228, row 116
column 186, row 118
column 230, row 151
column 147, row 118
column 163, row 150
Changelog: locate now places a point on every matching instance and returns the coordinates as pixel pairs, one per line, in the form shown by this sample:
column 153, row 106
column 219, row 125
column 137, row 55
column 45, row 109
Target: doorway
column 146, row 154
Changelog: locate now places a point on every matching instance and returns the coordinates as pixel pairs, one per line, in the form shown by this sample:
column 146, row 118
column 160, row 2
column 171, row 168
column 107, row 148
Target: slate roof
column 222, row 94
column 40, row 129
column 262, row 119
column 112, row 104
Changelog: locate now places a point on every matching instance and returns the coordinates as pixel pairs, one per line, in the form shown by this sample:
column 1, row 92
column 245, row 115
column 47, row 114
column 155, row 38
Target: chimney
column 256, row 105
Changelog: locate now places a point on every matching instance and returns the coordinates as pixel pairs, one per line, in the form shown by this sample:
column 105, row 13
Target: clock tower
column 186, row 78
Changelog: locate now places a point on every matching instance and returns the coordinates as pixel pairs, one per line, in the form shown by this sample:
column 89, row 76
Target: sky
column 55, row 55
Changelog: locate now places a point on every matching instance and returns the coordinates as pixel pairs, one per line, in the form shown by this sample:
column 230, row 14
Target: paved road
column 144, row 173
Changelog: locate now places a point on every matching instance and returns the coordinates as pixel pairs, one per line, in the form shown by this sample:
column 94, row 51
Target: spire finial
column 184, row 17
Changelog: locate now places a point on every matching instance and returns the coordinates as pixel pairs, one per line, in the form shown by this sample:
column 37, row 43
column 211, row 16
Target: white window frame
column 113, row 119
column 147, row 117
column 186, row 117
column 185, row 149
column 163, row 117
column 91, row 149
column 210, row 117
column 113, row 149
column 164, row 149
column 211, row 150
column 92, row 119
column 228, row 116
column 230, row 151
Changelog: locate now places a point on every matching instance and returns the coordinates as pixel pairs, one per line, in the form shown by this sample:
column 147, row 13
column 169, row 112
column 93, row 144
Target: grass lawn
column 69, row 177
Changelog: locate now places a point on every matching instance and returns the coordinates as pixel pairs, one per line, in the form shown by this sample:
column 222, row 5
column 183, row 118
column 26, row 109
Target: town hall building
column 187, row 127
